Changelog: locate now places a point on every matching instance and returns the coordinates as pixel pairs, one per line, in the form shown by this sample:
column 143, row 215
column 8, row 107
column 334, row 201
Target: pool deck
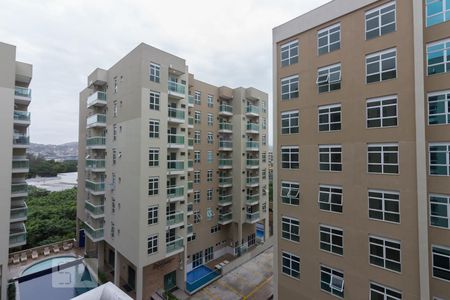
column 252, row 280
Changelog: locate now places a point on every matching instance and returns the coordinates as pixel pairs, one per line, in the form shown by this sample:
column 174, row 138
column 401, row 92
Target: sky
column 225, row 42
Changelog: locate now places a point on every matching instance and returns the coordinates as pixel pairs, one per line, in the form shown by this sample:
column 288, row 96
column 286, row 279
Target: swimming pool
column 200, row 277
column 48, row 264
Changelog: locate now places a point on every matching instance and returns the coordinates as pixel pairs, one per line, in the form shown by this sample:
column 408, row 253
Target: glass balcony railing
column 175, row 113
column 22, row 92
column 252, row 109
column 176, row 87
column 96, row 141
column 252, row 162
column 95, row 233
column 252, row 127
column 175, row 191
column 19, row 211
column 190, row 207
column 226, row 144
column 19, row 188
column 191, row 142
column 176, row 139
column 23, row 163
column 252, row 198
column 191, row 99
column 252, row 180
column 226, row 126
column 94, row 209
column 225, row 180
column 96, row 119
column 225, row 199
column 225, row 108
column 95, row 163
column 17, row 235
column 252, row 145
column 98, row 97
column 225, row 217
column 175, row 165
column 191, row 121
column 190, row 229
column 95, row 186
column 190, row 164
column 23, row 116
column 175, row 218
column 190, row 185
column 225, row 162
column 21, row 140
column 252, row 217
column 174, row 245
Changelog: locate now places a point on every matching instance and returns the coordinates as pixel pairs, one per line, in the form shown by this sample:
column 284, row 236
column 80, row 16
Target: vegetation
column 49, row 168
column 51, row 216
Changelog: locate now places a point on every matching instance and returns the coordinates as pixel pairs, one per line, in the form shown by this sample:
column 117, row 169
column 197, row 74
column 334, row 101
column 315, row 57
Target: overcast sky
column 224, row 43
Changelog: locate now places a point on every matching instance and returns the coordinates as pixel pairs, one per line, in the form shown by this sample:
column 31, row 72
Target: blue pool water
column 48, row 264
column 260, row 233
column 200, row 277
column 58, row 283
column 197, row 273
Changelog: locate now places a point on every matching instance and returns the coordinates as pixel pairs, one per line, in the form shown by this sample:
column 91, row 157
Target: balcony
column 225, row 218
column 95, row 234
column 252, row 217
column 225, row 146
column 96, row 211
column 190, row 143
column 252, row 128
column 175, row 167
column 95, row 188
column 252, row 181
column 17, row 235
column 225, row 200
column 252, row 110
column 176, row 115
column 95, row 165
column 174, row 246
column 19, row 212
column 190, row 230
column 97, row 99
column 97, row 120
column 225, row 163
column 96, row 142
column 19, row 189
column 190, row 209
column 176, row 90
column 22, row 118
column 252, row 199
column 225, row 181
column 175, row 219
column 225, row 127
column 252, row 146
column 21, row 141
column 175, row 141
column 190, row 165
column 225, row 110
column 22, row 95
column 252, row 163
column 191, row 101
column 175, row 193
column 20, row 164
column 190, row 185
column 190, row 122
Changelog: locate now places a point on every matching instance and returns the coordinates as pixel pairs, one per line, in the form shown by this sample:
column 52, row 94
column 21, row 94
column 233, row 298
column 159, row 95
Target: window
column 209, row 176
column 385, row 253
column 197, row 96
column 330, row 198
column 439, row 159
column 154, row 72
column 264, row 156
column 153, row 129
column 332, row 239
column 264, row 139
column 197, row 157
column 384, row 205
column 381, row 66
column 209, row 214
column 197, row 259
column 289, row 122
column 115, row 85
column 264, row 123
column 154, row 100
column 329, row 39
column 209, row 194
column 153, row 157
column 210, row 100
column 383, row 158
column 290, row 265
column 197, row 137
column 196, row 196
column 440, row 211
column 330, row 158
column 263, row 173
column 380, row 20
column 114, row 132
column 438, row 57
column 290, row 229
column 251, row 240
column 153, row 186
column 210, row 156
column 197, row 217
column 382, row 112
column 210, row 138
column 215, row 228
column 441, row 262
column 152, row 215
column 329, row 78
column 380, row 292
column 210, row 119
column 332, row 281
column 289, row 53
column 197, row 177
column 290, row 193
column 209, row 254
column 114, row 156
column 289, row 157
column 289, row 87
column 330, row 117
column 192, row 237
column 439, row 108
column 115, row 109
column 437, row 11
column 197, row 117
column 152, row 244
column 263, row 105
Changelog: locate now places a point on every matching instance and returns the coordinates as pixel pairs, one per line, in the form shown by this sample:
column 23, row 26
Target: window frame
column 329, row 113
column 155, row 72
column 152, row 215
column 331, row 232
column 291, row 60
column 293, row 187
column 436, row 216
column 332, row 272
column 446, row 54
column 380, row 65
column 379, row 16
column 291, row 116
column 387, row 291
column 156, row 102
column 384, row 257
column 327, row 82
column 445, row 10
column 293, row 225
column 293, row 165
column 447, row 163
column 153, row 157
column 289, row 82
column 328, row 35
column 197, row 97
column 446, row 114
column 153, row 240
column 330, row 153
column 447, row 256
column 154, row 181
column 210, row 101
column 383, row 200
column 156, row 126
column 382, row 163
column 381, row 107
column 330, row 194
column 292, row 259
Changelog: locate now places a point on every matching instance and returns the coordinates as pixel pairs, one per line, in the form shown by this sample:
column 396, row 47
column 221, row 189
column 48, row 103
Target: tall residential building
column 173, row 171
column 362, row 149
column 15, row 96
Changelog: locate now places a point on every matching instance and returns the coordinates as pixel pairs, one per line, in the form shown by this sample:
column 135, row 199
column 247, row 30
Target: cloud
column 223, row 42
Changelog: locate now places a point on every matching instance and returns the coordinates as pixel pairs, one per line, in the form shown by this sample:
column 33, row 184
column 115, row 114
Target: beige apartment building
column 15, row 95
column 172, row 171
column 362, row 151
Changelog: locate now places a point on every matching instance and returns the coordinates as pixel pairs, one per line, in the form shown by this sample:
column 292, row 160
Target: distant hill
column 67, row 151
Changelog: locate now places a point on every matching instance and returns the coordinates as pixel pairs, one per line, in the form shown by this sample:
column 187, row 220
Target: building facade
column 15, row 78
column 362, row 151
column 173, row 171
